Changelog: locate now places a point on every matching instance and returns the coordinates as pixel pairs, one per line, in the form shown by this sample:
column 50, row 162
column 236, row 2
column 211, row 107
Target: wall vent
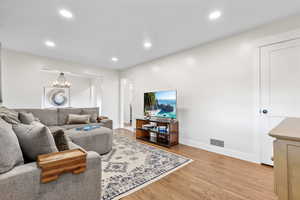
column 216, row 142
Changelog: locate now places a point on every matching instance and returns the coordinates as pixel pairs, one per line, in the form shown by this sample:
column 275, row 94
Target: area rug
column 132, row 165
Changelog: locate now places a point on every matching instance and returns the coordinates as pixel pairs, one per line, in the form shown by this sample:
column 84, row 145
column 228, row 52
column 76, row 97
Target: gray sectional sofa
column 23, row 181
column 99, row 140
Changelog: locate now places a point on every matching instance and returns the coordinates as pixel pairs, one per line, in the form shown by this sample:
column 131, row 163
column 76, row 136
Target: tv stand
column 156, row 134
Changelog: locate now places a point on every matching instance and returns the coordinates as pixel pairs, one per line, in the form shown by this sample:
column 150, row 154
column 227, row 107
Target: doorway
column 126, row 94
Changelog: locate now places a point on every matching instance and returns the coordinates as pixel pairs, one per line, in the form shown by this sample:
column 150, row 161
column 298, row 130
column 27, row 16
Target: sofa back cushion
column 10, row 151
column 9, row 115
column 26, row 117
column 59, row 116
column 47, row 116
column 63, row 114
column 93, row 112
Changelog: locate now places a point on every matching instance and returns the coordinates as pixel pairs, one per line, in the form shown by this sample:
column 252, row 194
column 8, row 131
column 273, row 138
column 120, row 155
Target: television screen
column 160, row 104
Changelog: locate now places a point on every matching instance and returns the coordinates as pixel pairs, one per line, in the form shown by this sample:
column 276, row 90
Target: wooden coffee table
column 54, row 164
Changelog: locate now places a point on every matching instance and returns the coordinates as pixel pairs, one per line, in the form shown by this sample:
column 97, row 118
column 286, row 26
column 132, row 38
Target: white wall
column 23, row 82
column 217, row 90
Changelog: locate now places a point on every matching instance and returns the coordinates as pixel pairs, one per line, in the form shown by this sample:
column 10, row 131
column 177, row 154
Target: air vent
column 216, row 142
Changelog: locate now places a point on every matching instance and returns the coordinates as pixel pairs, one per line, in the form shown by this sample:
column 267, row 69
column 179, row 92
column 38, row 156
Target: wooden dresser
column 287, row 159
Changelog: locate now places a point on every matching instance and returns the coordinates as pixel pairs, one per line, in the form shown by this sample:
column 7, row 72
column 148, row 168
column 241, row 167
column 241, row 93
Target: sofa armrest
column 23, row 182
column 107, row 123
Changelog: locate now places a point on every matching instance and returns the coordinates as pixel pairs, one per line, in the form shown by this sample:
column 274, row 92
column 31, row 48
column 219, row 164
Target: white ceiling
column 103, row 29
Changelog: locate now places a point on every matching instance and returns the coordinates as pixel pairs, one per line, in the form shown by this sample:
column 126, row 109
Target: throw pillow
column 61, row 140
column 78, row 119
column 10, row 116
column 92, row 113
column 26, row 118
column 10, row 151
column 35, row 139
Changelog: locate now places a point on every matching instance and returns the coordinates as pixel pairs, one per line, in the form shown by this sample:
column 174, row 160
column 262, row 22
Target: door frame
column 258, row 44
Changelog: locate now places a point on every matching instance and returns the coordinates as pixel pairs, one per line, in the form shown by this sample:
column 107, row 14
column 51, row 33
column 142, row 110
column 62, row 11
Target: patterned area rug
column 132, row 165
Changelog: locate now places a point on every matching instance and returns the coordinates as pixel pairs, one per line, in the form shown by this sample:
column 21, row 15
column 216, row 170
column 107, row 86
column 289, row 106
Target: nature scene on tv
column 160, row 104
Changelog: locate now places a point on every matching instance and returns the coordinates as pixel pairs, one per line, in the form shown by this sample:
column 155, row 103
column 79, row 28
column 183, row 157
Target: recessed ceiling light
column 147, row 45
column 50, row 43
column 66, row 13
column 114, row 59
column 215, row 15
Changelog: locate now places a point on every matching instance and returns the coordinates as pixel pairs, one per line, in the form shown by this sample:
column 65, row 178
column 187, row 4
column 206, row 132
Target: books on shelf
column 154, row 127
column 162, row 129
column 153, row 136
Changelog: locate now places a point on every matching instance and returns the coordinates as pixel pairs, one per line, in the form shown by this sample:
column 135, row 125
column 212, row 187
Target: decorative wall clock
column 56, row 97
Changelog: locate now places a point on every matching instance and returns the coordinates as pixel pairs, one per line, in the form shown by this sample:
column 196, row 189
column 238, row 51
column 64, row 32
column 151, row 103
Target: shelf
column 157, row 142
column 153, row 130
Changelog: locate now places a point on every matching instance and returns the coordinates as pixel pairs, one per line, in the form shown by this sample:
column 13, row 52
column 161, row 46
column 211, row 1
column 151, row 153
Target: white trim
column 152, row 181
column 258, row 44
column 290, row 35
column 220, row 150
column 257, row 105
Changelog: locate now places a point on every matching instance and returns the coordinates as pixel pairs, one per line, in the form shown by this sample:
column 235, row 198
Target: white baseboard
column 220, row 150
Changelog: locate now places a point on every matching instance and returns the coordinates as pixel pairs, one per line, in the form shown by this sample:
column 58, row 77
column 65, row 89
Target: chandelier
column 61, row 82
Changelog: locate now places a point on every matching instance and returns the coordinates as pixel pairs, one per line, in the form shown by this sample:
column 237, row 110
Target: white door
column 280, row 89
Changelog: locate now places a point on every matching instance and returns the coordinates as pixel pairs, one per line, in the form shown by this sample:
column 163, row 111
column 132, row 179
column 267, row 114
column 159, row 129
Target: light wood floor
column 209, row 177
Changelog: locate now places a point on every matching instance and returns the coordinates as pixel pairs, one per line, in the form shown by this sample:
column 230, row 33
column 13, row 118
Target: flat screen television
column 161, row 104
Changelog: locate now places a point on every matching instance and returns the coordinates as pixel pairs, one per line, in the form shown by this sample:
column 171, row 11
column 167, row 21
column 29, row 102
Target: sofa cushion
column 35, row 139
column 26, row 118
column 10, row 151
column 78, row 119
column 60, row 139
column 63, row 114
column 94, row 112
column 9, row 115
column 47, row 116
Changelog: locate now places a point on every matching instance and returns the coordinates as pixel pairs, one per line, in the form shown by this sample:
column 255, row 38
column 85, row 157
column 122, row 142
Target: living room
column 149, row 100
